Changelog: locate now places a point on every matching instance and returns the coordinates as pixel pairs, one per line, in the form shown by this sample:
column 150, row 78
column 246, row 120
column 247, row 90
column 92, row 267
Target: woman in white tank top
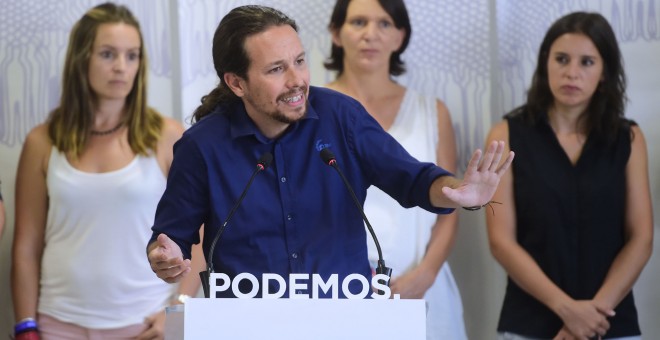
column 368, row 38
column 88, row 183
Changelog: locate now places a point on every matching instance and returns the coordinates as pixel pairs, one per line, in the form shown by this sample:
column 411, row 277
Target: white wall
column 476, row 55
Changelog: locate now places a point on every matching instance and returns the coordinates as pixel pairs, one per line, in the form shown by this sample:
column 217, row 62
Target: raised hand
column 481, row 178
column 167, row 260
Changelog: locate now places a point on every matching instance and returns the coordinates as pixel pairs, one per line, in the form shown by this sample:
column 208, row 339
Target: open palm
column 481, row 177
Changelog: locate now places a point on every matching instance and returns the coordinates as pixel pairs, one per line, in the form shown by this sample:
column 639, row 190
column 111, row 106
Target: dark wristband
column 477, row 207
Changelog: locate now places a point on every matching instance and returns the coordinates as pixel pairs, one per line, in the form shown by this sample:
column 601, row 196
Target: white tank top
column 404, row 233
column 94, row 270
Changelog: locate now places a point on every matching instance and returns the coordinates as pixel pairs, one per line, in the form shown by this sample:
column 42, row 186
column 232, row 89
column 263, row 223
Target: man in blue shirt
column 298, row 216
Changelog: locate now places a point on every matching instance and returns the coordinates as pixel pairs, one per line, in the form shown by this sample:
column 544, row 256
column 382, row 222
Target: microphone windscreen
column 265, row 159
column 327, row 156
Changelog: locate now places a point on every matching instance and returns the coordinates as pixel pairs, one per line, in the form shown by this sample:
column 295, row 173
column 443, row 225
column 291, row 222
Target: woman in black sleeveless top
column 576, row 228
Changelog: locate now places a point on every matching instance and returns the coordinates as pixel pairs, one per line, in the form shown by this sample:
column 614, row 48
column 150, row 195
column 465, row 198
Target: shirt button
column 289, row 217
column 283, row 179
column 294, row 255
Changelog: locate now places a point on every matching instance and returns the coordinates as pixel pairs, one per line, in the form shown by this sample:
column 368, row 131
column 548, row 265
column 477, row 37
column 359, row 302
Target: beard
column 279, row 115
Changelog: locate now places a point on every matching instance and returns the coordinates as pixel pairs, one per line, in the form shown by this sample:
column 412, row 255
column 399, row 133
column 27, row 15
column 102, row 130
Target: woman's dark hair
column 396, row 9
column 229, row 54
column 603, row 116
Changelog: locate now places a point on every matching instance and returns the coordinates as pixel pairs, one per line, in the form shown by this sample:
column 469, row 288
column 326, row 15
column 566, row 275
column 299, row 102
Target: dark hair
column 229, row 54
column 396, row 9
column 606, row 108
column 69, row 124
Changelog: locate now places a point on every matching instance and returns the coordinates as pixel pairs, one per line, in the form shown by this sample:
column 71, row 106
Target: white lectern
column 297, row 319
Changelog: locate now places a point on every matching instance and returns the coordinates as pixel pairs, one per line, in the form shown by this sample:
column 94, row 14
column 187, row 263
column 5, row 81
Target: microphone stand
column 262, row 164
column 329, row 158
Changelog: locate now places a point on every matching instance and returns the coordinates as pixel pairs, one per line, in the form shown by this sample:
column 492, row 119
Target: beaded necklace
column 106, row 132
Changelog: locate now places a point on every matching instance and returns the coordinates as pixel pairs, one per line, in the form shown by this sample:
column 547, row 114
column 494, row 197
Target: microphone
column 329, row 158
column 262, row 164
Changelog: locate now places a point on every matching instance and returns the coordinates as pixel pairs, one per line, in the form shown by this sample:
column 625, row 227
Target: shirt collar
column 241, row 125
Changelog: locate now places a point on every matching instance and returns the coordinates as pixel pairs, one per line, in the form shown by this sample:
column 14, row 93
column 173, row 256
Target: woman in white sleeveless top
column 88, row 183
column 368, row 38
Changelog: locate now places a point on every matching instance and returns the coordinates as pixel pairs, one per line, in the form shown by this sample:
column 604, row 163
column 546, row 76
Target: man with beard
column 298, row 216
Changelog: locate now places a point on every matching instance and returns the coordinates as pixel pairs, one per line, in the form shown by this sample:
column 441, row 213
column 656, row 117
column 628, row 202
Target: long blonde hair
column 69, row 124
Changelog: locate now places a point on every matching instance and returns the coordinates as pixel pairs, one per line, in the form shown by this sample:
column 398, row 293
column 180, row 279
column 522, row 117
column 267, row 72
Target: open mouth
column 293, row 99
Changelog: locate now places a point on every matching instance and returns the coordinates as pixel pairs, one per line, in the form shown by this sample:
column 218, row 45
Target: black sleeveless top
column 570, row 219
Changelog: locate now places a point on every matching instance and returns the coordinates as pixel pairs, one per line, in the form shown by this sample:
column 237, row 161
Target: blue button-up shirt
column 297, row 216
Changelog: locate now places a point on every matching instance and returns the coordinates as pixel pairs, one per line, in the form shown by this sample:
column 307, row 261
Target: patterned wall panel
column 522, row 25
column 33, row 41
column 449, row 57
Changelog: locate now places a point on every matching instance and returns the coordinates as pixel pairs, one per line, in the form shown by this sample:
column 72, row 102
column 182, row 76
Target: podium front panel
column 304, row 319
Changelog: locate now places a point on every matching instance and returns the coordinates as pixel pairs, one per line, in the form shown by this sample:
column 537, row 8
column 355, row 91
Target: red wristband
column 29, row 335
